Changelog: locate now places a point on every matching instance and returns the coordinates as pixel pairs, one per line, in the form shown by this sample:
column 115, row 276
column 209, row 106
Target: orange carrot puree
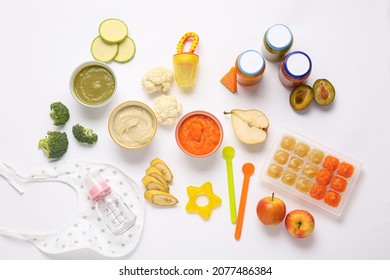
column 324, row 176
column 338, row 184
column 331, row 163
column 318, row 191
column 332, row 198
column 345, row 169
column 199, row 134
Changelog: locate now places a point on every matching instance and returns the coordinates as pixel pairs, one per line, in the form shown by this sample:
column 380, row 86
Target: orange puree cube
column 345, row 169
column 318, row 191
column 338, row 184
column 324, row 176
column 332, row 198
column 331, row 163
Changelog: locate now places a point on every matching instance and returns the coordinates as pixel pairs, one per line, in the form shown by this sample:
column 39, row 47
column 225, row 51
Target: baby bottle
column 110, row 206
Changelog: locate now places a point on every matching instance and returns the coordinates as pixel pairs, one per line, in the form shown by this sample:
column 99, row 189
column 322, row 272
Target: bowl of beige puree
column 132, row 125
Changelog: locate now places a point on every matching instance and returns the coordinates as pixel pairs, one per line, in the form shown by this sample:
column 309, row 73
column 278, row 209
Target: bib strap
column 8, row 178
column 13, row 233
column 44, row 178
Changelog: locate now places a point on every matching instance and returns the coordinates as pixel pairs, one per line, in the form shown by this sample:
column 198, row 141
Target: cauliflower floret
column 167, row 109
column 158, row 79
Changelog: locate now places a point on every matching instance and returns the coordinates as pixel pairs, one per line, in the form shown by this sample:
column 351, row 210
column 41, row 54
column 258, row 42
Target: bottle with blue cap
column 277, row 41
column 295, row 69
column 250, row 67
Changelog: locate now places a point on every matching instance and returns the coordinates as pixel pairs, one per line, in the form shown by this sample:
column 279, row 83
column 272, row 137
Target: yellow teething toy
column 213, row 200
column 185, row 64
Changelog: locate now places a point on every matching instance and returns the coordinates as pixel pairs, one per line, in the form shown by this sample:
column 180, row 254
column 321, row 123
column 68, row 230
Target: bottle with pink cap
column 110, row 205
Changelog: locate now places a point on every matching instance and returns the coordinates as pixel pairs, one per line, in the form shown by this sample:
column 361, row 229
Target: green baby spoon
column 228, row 154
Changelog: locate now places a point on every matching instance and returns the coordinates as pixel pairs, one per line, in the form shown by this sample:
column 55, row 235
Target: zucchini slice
column 113, row 30
column 126, row 50
column 102, row 51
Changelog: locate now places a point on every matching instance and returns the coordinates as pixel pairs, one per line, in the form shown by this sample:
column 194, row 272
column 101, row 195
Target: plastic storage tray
column 310, row 171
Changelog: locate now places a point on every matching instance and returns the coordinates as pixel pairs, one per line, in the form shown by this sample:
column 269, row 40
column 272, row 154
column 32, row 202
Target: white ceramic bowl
column 132, row 125
column 81, row 68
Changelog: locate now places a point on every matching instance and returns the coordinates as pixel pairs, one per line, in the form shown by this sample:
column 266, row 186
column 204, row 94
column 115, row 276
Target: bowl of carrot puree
column 199, row 134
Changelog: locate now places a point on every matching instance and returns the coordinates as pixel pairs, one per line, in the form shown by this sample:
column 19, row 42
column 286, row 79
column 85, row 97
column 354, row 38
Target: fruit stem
column 227, row 113
column 272, row 198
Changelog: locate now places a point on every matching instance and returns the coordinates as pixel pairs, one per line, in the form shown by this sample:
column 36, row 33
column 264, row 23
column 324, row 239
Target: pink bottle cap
column 98, row 188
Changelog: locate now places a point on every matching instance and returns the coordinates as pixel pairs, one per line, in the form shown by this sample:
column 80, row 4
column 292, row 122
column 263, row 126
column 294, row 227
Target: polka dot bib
column 87, row 229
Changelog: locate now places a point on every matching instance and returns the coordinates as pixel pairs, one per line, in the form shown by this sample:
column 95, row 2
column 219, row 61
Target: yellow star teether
column 213, row 200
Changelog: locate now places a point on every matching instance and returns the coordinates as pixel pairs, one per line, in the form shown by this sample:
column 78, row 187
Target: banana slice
column 156, row 173
column 151, row 183
column 163, row 167
column 160, row 198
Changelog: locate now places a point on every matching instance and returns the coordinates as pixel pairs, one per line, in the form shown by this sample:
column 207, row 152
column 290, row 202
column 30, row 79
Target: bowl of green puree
column 93, row 84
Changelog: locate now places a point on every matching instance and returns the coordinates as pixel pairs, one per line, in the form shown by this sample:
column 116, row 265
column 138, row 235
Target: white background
column 42, row 42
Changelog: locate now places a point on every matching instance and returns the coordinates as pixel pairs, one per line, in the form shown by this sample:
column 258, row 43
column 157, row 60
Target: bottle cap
column 98, row 188
column 297, row 64
column 279, row 37
column 250, row 63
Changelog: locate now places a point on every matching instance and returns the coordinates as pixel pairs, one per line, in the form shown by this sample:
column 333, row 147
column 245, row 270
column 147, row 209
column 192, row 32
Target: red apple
column 299, row 223
column 271, row 210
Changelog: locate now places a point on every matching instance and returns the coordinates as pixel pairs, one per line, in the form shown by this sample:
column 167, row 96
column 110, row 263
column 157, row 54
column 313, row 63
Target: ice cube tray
column 310, row 171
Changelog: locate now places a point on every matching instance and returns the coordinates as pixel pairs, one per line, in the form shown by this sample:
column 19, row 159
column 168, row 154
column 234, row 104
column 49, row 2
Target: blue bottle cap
column 279, row 37
column 297, row 64
column 250, row 63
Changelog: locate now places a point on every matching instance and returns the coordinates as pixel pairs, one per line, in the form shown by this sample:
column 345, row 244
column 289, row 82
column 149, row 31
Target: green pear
column 250, row 126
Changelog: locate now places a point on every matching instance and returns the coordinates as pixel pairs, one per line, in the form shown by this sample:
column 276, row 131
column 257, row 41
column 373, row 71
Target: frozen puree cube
column 295, row 164
column 331, row 163
column 281, row 157
column 289, row 177
column 302, row 149
column 318, row 191
column 332, row 198
column 288, row 143
column 316, row 156
column 310, row 170
column 275, row 171
column 324, row 176
column 303, row 184
column 338, row 184
column 345, row 169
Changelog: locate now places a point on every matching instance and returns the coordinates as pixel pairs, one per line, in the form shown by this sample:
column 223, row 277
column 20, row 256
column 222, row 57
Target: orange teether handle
column 183, row 40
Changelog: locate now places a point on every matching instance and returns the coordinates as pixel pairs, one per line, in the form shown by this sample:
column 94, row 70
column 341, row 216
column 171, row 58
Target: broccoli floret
column 84, row 135
column 59, row 113
column 54, row 145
